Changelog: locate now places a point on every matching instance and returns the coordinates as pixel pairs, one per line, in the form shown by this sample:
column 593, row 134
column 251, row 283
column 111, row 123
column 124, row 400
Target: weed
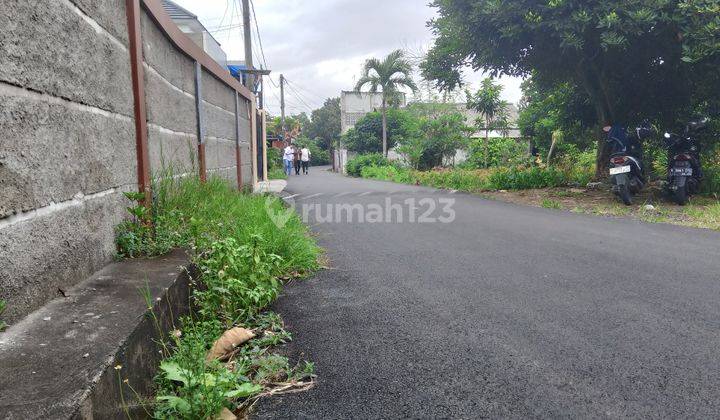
column 241, row 254
column 551, row 204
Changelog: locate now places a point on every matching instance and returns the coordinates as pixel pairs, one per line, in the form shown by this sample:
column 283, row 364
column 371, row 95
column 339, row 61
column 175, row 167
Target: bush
column 274, row 158
column 388, row 173
column 502, row 151
column 355, row 165
column 520, row 178
column 461, row 180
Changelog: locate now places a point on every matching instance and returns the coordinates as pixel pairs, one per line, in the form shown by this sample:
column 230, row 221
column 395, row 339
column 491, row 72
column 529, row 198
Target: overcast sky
column 320, row 45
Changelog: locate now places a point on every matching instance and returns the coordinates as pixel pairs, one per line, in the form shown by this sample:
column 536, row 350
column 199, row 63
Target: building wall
column 67, row 137
column 355, row 105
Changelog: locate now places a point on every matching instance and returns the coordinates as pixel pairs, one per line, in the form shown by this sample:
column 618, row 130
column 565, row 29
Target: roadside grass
column 702, row 212
column 557, row 188
column 243, row 254
column 276, row 173
column 551, row 204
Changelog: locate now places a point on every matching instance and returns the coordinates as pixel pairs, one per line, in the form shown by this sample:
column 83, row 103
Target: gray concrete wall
column 67, row 137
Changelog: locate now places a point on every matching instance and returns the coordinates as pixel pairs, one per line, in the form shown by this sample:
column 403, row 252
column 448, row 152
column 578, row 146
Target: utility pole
column 282, row 104
column 247, row 35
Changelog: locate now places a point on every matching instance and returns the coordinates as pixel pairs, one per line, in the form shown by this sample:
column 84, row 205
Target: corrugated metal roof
column 177, row 12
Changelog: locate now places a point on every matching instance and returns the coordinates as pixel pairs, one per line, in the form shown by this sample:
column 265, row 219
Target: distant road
column 508, row 311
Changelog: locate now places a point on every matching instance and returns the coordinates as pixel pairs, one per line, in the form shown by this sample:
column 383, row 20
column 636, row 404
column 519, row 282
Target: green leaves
column 244, row 390
column 173, row 372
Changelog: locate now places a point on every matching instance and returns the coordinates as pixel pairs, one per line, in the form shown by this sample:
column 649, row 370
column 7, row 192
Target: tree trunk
column 384, row 128
column 487, row 141
column 603, row 148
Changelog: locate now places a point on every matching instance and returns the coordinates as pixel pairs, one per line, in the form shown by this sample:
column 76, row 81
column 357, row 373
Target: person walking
column 305, row 159
column 296, row 160
column 288, row 157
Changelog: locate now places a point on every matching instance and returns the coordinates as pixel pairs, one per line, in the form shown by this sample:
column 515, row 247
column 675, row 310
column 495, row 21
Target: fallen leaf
column 226, row 414
column 228, row 342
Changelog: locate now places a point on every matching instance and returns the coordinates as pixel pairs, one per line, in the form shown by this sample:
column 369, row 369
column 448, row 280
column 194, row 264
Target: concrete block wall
column 67, row 137
column 67, row 144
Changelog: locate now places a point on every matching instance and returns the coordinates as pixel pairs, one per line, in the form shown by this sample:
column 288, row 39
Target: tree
column 366, row 136
column 632, row 60
column 437, row 138
column 325, row 123
column 389, row 75
column 488, row 102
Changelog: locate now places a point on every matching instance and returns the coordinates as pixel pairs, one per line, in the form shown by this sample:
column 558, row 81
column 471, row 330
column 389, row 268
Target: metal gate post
column 200, row 121
column 138, row 86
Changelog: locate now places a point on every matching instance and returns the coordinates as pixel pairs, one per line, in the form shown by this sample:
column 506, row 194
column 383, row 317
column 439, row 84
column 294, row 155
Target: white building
column 191, row 26
column 355, row 105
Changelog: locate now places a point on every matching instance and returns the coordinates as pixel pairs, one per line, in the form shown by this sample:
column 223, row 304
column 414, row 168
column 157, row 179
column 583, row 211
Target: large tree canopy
column 325, row 123
column 632, row 59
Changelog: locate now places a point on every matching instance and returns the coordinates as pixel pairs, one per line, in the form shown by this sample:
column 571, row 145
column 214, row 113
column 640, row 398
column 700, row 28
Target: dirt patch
column 650, row 205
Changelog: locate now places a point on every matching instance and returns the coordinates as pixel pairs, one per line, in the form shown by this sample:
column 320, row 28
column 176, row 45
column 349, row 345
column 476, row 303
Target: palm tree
column 389, row 75
column 487, row 101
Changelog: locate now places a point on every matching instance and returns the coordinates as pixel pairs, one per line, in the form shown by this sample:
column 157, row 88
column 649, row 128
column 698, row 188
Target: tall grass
column 242, row 254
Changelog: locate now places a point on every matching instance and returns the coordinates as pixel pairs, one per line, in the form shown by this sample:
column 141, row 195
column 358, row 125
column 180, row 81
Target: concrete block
column 218, row 123
column 109, row 14
column 55, row 251
column 161, row 55
column 167, row 106
column 220, row 153
column 53, row 149
column 47, row 46
column 169, row 151
column 217, row 92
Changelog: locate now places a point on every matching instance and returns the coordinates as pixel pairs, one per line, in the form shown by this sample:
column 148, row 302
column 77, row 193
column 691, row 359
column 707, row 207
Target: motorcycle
column 684, row 170
column 626, row 167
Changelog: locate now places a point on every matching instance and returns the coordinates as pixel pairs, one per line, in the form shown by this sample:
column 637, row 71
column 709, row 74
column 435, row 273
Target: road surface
column 507, row 311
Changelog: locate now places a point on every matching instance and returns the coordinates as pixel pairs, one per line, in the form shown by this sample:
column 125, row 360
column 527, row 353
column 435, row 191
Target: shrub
column 355, row 165
column 519, row 178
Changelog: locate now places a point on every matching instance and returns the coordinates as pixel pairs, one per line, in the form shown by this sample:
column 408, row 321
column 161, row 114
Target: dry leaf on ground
column 226, row 414
column 228, row 342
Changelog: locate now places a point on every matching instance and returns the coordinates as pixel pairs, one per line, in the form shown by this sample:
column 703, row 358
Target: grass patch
column 276, row 173
column 551, row 204
column 243, row 245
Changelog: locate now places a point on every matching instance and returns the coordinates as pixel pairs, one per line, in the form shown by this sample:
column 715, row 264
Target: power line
column 298, row 96
column 257, row 30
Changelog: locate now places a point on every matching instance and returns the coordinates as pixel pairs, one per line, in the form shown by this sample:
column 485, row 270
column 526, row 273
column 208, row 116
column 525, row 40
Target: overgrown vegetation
column 3, row 325
column 355, row 165
column 243, row 245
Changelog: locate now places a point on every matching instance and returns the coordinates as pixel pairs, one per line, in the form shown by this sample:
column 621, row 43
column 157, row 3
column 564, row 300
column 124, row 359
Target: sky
column 321, row 45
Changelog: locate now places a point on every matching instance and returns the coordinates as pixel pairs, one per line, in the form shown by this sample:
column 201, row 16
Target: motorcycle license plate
column 620, row 170
column 681, row 171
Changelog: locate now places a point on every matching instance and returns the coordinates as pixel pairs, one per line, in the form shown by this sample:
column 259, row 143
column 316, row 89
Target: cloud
column 320, row 45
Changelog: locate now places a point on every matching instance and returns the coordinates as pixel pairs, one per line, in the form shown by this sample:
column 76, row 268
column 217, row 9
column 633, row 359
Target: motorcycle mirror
column 667, row 135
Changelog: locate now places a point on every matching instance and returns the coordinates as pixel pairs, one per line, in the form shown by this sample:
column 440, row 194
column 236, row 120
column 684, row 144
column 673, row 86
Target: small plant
column 147, row 233
column 3, row 305
column 239, row 280
column 551, row 204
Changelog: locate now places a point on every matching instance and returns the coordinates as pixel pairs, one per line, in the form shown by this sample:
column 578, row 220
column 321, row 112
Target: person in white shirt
column 305, row 158
column 288, row 157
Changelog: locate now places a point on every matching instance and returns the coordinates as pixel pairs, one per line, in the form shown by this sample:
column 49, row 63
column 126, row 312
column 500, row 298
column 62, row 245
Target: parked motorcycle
column 684, row 169
column 626, row 167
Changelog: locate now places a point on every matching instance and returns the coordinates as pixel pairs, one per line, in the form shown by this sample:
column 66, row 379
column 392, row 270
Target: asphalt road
column 508, row 311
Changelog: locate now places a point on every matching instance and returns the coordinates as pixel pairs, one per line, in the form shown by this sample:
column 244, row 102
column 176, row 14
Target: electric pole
column 247, row 36
column 282, row 104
